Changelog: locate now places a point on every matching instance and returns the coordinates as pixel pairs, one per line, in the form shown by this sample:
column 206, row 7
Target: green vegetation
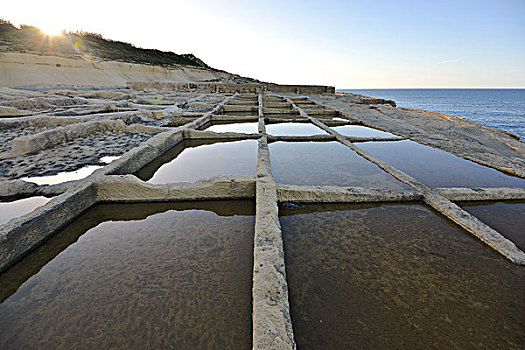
column 28, row 38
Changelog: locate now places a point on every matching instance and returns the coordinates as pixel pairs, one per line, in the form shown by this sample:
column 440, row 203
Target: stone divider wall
column 231, row 88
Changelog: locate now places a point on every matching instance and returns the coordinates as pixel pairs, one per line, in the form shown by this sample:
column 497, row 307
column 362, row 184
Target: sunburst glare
column 51, row 29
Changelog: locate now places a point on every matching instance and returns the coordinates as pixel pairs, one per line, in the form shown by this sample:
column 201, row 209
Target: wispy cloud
column 449, row 61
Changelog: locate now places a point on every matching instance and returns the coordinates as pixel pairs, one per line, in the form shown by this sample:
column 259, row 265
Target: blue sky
column 349, row 44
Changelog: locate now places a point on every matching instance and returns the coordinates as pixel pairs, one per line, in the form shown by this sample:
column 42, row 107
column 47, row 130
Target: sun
column 51, row 29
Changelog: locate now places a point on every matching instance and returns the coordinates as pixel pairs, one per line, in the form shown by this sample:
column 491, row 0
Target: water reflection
column 69, row 175
column 293, row 129
column 245, row 128
column 436, row 168
column 508, row 218
column 168, row 275
column 193, row 160
column 14, row 209
column 326, row 163
column 397, row 277
column 361, row 131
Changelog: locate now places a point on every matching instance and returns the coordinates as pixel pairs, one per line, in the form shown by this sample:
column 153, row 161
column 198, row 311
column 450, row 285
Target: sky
column 347, row 44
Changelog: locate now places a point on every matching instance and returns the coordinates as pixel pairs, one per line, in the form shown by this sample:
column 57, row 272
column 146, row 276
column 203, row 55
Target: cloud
column 449, row 61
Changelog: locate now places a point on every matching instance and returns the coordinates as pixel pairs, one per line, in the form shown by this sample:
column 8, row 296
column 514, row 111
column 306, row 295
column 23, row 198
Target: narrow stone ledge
column 334, row 194
column 272, row 326
column 261, row 127
column 142, row 155
column 128, row 188
column 477, row 228
column 482, row 194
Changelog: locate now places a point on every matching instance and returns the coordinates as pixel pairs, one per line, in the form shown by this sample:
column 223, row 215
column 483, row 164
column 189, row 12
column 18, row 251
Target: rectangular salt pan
column 191, row 161
column 361, row 131
column 294, row 129
column 141, row 276
column 244, row 128
column 396, row 277
column 326, row 163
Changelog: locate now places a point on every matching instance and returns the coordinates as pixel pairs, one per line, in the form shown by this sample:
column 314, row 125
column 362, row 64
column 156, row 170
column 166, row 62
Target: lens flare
column 81, row 49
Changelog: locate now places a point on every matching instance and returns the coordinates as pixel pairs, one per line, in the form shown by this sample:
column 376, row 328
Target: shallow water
column 294, row 129
column 195, row 160
column 245, row 128
column 437, row 168
column 508, row 218
column 63, row 176
column 69, row 175
column 396, row 277
column 326, row 163
column 14, row 209
column 361, row 131
column 168, row 275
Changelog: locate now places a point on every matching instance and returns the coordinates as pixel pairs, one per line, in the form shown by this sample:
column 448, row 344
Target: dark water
column 437, row 168
column 14, row 209
column 193, row 160
column 136, row 276
column 508, row 218
column 294, row 129
column 326, row 163
column 499, row 108
column 397, row 277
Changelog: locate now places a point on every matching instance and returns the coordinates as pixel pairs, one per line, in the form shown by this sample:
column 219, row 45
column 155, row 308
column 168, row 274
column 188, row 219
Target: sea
column 499, row 108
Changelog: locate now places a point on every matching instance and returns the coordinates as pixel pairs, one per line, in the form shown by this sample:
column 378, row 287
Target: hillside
column 28, row 38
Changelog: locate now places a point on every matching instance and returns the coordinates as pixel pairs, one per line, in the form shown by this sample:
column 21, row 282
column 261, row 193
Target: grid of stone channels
column 433, row 198
column 272, row 327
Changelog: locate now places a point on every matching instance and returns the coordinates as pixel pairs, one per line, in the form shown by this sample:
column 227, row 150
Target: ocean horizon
column 500, row 108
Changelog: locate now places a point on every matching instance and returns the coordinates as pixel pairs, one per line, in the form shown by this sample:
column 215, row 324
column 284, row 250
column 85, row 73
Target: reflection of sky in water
column 435, row 168
column 205, row 161
column 63, row 177
column 69, row 175
column 109, row 159
column 400, row 272
column 293, row 129
column 138, row 279
column 326, row 163
column 246, row 128
column 506, row 218
column 10, row 210
column 361, row 131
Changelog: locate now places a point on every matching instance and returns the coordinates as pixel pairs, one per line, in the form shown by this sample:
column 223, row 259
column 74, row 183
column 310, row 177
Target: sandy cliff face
column 24, row 69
